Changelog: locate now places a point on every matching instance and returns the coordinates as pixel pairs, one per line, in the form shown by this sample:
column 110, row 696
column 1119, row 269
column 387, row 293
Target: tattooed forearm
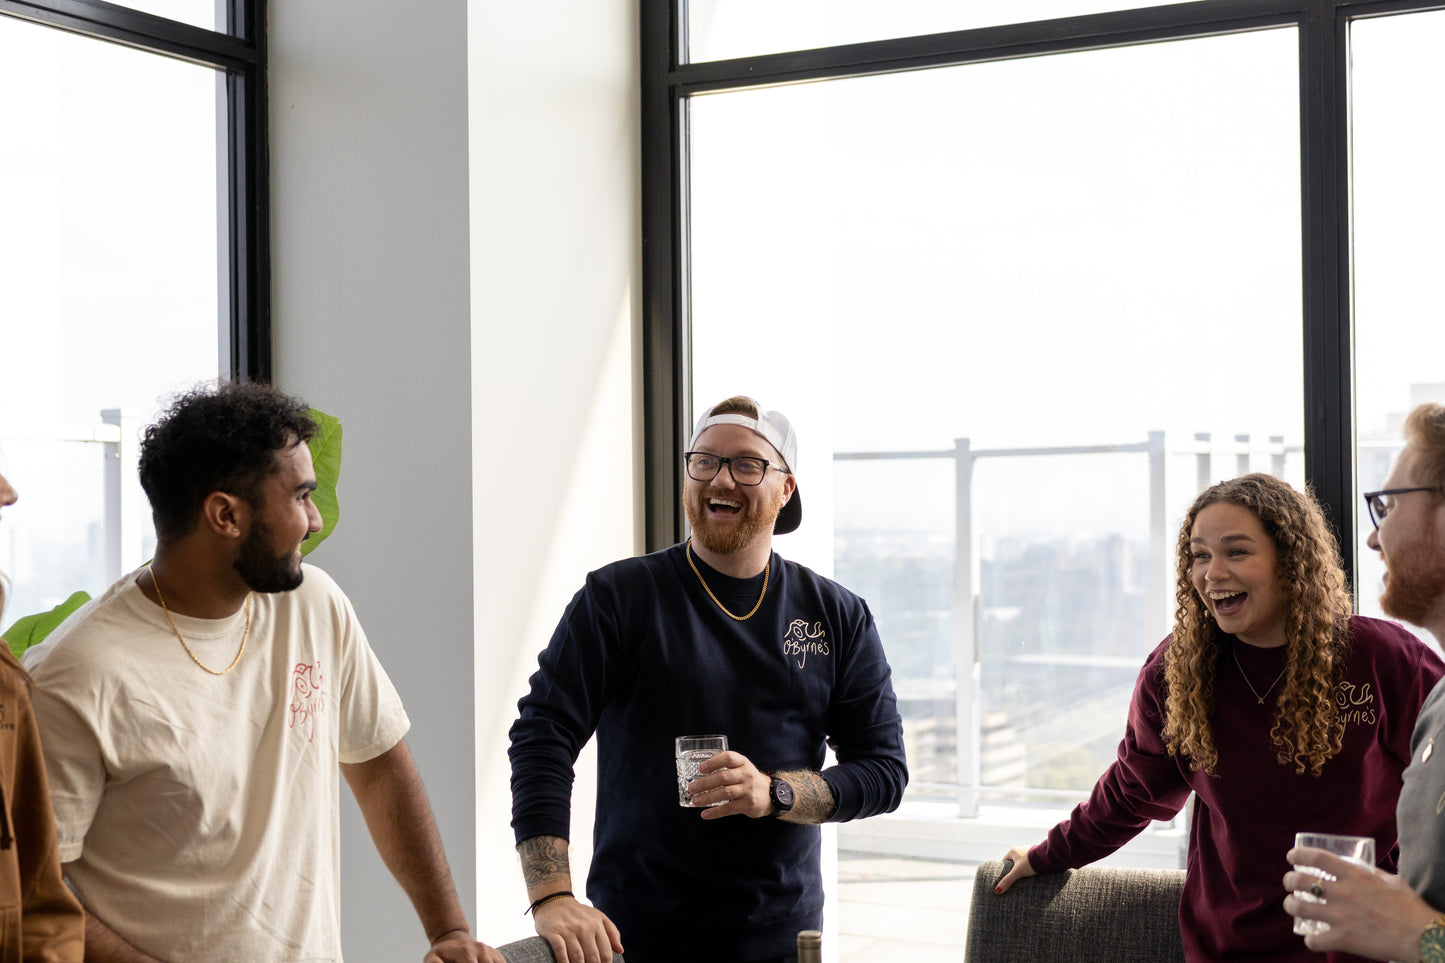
column 813, row 801
column 544, row 864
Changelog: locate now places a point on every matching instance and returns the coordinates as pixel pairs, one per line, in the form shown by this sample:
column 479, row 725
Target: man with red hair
column 1373, row 913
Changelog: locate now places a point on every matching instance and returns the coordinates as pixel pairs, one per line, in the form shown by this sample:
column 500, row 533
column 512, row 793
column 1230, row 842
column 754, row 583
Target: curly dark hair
column 219, row 436
column 1307, row 728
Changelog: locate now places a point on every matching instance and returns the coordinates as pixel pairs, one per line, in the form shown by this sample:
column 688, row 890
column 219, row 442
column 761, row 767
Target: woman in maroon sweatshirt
column 1277, row 707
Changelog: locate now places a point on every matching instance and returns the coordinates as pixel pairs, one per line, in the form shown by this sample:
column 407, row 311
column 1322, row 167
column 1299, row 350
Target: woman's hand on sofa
column 1018, row 871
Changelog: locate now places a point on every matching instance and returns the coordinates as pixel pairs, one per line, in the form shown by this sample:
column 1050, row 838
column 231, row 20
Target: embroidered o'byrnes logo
column 307, row 698
column 1356, row 703
column 803, row 640
column 6, row 723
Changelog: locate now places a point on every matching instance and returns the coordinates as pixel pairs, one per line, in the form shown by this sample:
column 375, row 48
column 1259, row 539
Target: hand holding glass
column 1357, row 849
column 691, row 751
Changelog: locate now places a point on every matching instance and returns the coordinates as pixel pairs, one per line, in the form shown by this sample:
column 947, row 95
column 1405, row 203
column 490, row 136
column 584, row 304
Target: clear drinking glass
column 1357, row 849
column 691, row 751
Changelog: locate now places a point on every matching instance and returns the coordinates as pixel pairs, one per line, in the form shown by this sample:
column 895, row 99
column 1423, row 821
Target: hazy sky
column 1073, row 249
column 108, row 274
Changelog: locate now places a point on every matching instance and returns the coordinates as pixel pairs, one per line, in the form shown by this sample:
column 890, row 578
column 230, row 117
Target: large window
column 1003, row 268
column 1397, row 82
column 722, row 29
column 1029, row 288
column 131, row 265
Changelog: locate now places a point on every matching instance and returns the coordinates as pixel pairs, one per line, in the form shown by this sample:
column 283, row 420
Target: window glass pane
column 1397, row 84
column 723, row 29
column 108, row 289
column 1076, row 276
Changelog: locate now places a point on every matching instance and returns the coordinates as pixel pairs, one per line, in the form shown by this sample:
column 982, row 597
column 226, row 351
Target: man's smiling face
column 282, row 517
column 727, row 517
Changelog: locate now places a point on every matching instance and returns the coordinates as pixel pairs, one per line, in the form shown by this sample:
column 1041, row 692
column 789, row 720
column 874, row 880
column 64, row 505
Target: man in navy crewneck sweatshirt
column 716, row 635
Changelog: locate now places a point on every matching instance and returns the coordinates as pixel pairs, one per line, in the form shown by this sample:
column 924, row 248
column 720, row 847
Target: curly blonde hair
column 1307, row 728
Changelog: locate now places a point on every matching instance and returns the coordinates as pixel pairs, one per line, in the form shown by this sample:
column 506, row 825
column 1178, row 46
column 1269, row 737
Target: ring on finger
column 1317, row 891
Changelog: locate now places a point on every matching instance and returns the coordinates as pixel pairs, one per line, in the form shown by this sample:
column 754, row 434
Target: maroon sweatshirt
column 1246, row 816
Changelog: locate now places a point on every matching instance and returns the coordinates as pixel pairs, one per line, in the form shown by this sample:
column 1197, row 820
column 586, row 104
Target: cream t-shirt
column 200, row 812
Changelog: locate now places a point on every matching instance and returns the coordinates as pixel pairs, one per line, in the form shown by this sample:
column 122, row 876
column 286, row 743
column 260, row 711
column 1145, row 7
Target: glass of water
column 1357, row 849
column 691, row 751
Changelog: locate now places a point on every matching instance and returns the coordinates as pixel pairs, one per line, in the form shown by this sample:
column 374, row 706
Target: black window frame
column 1323, row 25
column 240, row 53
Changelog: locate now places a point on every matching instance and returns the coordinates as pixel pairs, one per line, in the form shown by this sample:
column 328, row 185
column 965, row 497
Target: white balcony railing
column 968, row 733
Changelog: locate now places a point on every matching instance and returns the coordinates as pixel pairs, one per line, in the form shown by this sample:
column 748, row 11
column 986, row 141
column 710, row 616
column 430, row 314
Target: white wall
column 369, row 261
column 455, row 261
column 555, row 276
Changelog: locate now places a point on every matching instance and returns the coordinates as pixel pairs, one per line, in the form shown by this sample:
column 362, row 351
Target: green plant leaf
column 326, row 456
column 32, row 629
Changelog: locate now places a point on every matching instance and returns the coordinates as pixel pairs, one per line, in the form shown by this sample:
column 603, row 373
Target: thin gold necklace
column 1235, row 652
column 244, row 636
column 736, row 618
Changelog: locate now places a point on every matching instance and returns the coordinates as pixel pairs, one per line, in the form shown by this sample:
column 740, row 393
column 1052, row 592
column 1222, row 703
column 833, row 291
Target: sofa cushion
column 1096, row 913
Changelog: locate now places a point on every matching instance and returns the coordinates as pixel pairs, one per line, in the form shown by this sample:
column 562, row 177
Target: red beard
column 1416, row 584
column 754, row 521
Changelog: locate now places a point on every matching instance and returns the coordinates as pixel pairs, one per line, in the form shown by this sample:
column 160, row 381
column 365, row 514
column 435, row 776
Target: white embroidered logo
column 1356, row 703
column 802, row 640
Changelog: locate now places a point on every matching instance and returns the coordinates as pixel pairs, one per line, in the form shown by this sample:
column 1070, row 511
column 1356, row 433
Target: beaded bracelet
column 549, row 896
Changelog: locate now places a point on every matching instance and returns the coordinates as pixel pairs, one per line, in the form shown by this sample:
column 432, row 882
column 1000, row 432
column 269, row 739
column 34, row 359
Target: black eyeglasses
column 1379, row 507
column 703, row 466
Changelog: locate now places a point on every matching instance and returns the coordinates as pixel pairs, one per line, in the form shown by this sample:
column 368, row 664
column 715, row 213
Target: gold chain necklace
column 736, row 618
column 246, row 635
column 1235, row 652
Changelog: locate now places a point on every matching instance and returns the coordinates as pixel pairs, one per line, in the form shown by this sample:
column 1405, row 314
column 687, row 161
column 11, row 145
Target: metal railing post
column 127, row 512
column 111, row 512
column 1241, row 458
column 1160, row 556
column 964, row 623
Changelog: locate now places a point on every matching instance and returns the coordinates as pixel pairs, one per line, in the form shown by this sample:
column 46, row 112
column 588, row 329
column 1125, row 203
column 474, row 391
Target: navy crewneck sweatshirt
column 643, row 655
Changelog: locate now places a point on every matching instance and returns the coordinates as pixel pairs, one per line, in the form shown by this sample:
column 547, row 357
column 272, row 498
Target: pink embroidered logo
column 307, row 698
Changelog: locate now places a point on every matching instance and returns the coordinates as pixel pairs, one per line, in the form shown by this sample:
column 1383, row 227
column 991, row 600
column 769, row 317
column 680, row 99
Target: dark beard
column 1416, row 586
column 263, row 571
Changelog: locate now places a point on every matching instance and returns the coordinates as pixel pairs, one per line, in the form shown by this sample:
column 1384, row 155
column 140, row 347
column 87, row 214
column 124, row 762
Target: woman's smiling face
column 1235, row 573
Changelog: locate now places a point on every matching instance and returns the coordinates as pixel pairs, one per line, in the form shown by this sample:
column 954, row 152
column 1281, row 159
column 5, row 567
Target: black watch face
column 783, row 793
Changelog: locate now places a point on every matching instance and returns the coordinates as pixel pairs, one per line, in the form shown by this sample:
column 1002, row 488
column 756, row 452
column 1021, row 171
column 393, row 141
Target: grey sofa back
column 533, row 949
column 1078, row 916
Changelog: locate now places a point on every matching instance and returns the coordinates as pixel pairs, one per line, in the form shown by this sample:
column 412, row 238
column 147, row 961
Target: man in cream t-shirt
column 194, row 716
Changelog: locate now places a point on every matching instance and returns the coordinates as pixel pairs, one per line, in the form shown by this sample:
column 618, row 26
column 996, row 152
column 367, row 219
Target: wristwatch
column 1432, row 942
column 782, row 795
